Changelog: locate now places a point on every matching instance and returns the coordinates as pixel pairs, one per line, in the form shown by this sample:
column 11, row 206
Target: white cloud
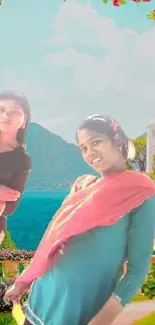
column 43, row 98
column 118, row 76
column 45, row 101
column 127, row 63
column 13, row 82
column 81, row 23
column 53, row 123
column 92, row 66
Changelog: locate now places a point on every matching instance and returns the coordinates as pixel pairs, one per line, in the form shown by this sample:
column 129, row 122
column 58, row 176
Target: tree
column 140, row 158
column 128, row 166
column 153, row 164
column 140, row 145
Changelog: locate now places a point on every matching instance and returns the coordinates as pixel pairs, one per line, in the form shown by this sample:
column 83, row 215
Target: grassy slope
column 139, row 298
column 148, row 320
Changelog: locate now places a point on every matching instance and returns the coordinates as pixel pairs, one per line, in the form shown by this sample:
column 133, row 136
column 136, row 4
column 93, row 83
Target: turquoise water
column 30, row 220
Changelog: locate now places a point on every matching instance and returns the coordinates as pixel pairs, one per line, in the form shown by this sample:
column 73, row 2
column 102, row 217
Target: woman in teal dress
column 102, row 223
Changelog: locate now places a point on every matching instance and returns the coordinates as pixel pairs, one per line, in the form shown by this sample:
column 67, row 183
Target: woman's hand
column 2, row 222
column 8, row 194
column 14, row 293
column 2, row 207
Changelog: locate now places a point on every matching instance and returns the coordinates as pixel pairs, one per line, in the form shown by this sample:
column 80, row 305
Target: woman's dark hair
column 22, row 101
column 108, row 126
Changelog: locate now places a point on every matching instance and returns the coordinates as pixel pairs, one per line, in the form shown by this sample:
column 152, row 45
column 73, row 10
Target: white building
column 150, row 147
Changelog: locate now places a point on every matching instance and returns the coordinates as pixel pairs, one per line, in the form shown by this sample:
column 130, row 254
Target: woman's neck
column 114, row 170
column 8, row 140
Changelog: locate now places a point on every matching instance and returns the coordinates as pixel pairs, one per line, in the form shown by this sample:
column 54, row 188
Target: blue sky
column 77, row 58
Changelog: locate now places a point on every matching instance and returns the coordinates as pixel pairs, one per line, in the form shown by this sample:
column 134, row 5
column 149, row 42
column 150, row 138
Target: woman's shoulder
column 150, row 203
column 136, row 174
column 22, row 157
column 27, row 161
column 148, row 206
column 82, row 182
column 85, row 180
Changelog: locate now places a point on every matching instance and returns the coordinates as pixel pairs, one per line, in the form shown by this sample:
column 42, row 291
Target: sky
column 77, row 58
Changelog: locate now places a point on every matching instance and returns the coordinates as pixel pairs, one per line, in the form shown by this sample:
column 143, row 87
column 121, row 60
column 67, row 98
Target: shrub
column 148, row 288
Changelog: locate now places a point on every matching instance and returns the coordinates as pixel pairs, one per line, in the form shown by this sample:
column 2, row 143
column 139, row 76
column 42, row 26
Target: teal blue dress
column 89, row 269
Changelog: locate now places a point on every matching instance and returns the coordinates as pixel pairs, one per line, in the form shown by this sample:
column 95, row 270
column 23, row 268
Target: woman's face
column 12, row 116
column 99, row 152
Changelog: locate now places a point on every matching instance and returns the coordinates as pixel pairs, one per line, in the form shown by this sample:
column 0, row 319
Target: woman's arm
column 2, row 222
column 18, row 183
column 140, row 247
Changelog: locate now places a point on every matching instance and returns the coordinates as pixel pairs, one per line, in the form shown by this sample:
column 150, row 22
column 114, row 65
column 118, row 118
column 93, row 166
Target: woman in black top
column 15, row 164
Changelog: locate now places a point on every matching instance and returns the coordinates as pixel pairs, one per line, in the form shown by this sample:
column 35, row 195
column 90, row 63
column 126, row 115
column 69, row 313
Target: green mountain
column 55, row 163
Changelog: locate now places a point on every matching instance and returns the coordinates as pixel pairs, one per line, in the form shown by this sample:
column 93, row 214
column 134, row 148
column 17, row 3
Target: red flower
column 116, row 3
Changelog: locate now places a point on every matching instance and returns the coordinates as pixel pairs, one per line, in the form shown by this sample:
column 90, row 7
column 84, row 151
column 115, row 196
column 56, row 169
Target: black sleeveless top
column 14, row 169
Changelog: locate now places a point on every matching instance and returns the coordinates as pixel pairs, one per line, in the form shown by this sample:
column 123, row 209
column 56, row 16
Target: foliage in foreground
column 8, row 243
column 7, row 319
column 5, row 308
column 148, row 288
column 151, row 175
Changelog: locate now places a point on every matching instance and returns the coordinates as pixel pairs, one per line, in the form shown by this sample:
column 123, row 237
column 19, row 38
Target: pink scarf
column 91, row 203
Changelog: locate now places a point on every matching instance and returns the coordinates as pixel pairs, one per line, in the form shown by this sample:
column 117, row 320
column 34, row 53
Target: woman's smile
column 95, row 161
